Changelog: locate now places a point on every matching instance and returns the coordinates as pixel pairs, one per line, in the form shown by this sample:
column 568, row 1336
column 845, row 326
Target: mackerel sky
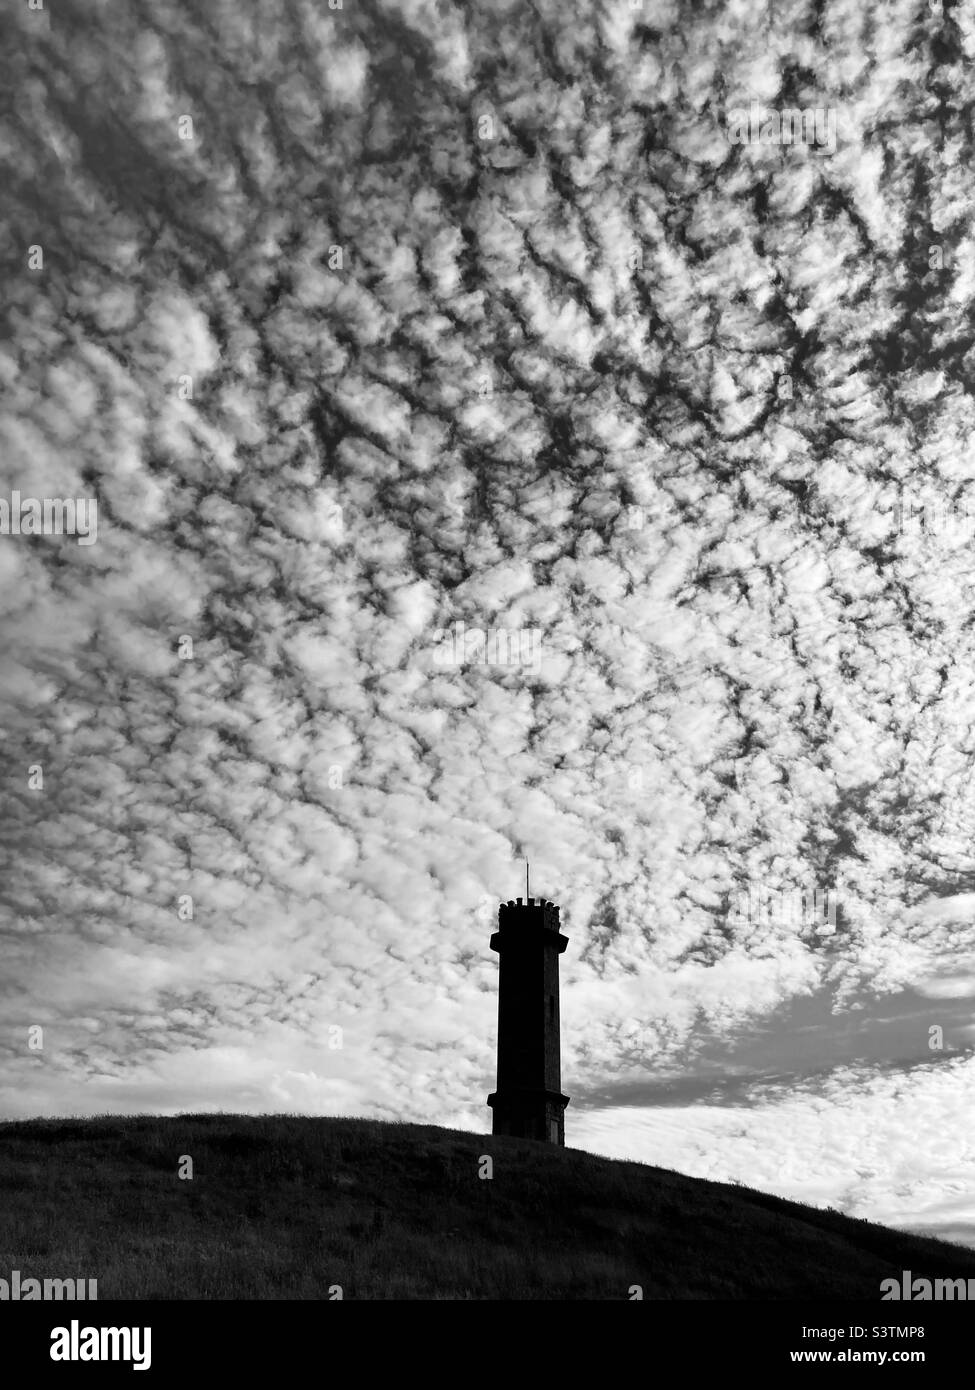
column 361, row 323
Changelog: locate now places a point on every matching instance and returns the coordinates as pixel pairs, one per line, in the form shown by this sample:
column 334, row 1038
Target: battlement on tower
column 537, row 911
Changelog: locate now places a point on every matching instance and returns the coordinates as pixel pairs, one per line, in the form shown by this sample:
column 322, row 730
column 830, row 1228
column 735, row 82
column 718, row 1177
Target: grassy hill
column 289, row 1207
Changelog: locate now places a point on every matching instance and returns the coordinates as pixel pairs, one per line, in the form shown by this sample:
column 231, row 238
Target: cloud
column 884, row 1147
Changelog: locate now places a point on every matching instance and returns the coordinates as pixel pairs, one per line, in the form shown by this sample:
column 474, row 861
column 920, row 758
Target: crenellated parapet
column 537, row 911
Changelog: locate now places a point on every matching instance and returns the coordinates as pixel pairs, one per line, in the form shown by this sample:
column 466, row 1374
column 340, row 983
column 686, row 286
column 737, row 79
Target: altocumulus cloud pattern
column 375, row 328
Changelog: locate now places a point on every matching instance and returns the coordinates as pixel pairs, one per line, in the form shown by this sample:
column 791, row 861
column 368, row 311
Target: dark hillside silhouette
column 288, row 1207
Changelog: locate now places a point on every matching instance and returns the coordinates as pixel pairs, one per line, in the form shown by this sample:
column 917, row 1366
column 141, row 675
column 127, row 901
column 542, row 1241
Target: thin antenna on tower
column 528, row 895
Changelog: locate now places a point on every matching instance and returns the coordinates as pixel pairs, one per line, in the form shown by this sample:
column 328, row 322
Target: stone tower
column 529, row 1103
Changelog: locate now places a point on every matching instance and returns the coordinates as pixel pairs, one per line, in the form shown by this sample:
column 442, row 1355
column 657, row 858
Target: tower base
column 529, row 1114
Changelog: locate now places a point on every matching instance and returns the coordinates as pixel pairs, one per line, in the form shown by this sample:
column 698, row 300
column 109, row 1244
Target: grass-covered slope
column 293, row 1207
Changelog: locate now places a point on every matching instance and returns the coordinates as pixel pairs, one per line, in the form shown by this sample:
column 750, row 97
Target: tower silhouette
column 529, row 1103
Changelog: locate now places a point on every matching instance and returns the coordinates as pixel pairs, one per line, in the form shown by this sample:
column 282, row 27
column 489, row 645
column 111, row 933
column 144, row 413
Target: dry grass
column 288, row 1207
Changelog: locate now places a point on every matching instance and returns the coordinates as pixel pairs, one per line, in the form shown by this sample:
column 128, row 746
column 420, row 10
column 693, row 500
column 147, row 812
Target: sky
column 375, row 331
